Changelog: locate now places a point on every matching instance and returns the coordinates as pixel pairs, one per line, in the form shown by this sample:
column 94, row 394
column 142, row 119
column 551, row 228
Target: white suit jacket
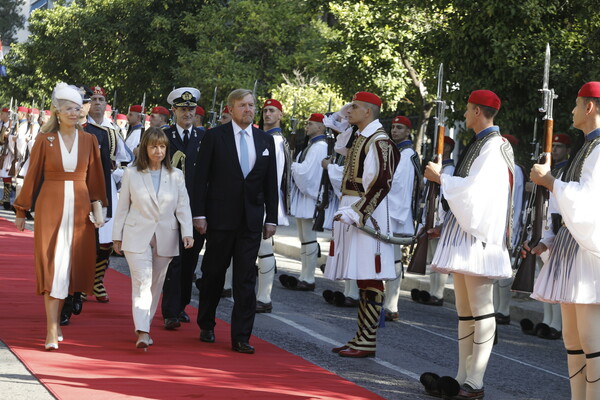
column 141, row 212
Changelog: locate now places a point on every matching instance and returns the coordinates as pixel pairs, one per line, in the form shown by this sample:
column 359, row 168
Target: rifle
column 325, row 185
column 418, row 261
column 114, row 107
column 212, row 119
column 538, row 208
column 256, row 109
column 293, row 127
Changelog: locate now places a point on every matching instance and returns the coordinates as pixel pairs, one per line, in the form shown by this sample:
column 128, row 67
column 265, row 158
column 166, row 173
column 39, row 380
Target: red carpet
column 98, row 359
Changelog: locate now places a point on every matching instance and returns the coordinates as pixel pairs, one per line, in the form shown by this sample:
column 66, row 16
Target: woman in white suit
column 153, row 208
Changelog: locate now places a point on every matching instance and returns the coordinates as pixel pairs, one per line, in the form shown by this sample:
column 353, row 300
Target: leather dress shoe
column 502, row 319
column 226, row 293
column 328, row 295
column 172, row 323
column 527, row 327
column 65, row 319
column 353, row 353
column 242, row 347
column 391, row 316
column 433, row 301
column 350, row 302
column 336, row 350
column 183, row 317
column 77, row 305
column 207, row 335
column 466, row 392
column 264, row 307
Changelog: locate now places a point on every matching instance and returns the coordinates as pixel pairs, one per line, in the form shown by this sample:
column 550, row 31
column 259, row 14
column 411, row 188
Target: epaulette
column 98, row 126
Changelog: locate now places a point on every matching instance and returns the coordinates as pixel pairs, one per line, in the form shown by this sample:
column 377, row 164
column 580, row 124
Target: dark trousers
column 177, row 289
column 221, row 246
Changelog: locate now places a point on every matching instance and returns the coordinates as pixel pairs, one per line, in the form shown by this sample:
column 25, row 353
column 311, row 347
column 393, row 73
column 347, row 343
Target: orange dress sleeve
column 34, row 177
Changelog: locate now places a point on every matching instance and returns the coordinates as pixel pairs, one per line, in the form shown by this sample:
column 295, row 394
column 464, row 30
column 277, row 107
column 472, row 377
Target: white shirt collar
column 237, row 128
column 371, row 128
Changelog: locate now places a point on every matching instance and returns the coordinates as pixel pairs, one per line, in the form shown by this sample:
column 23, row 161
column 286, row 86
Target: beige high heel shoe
column 143, row 341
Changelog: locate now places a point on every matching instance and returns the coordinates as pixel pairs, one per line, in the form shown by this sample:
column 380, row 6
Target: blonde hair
column 53, row 124
column 151, row 136
column 238, row 94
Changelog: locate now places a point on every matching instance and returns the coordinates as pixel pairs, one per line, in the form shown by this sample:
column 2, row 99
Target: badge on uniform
column 266, row 152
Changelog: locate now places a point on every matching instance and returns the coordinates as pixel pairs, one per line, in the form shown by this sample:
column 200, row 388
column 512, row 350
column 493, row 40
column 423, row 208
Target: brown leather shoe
column 336, row 350
column 466, row 392
column 264, row 307
column 352, row 353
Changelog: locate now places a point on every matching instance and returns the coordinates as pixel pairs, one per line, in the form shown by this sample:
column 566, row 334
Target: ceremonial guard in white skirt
column 34, row 129
column 136, row 127
column 371, row 160
column 571, row 275
column 403, row 202
column 437, row 280
column 306, row 179
column 338, row 122
column 502, row 287
column 473, row 244
column 6, row 156
column 23, row 136
column 551, row 326
column 272, row 113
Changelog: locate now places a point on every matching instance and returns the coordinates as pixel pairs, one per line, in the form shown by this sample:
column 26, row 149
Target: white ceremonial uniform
column 573, row 270
column 35, row 129
column 401, row 216
column 472, row 240
column 133, row 139
column 354, row 255
column 306, row 181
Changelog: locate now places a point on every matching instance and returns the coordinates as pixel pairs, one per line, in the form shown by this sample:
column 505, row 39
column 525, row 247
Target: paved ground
column 521, row 367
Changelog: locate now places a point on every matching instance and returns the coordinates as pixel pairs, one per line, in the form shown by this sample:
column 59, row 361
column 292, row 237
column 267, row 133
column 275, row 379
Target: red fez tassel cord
column 331, row 248
column 378, row 262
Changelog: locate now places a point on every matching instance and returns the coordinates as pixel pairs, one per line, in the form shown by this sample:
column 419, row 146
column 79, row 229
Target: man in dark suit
column 235, row 203
column 184, row 142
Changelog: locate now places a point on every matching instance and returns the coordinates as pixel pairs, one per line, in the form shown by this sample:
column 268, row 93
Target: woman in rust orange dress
column 65, row 174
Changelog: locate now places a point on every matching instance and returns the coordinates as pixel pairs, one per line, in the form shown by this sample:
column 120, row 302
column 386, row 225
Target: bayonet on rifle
column 537, row 207
column 212, row 120
column 293, row 127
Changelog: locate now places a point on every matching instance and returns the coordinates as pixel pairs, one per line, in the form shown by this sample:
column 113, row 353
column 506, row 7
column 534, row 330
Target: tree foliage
column 10, row 20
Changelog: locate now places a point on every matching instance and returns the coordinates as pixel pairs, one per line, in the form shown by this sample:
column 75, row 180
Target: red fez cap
column 160, row 110
column 485, row 98
column 449, row 140
column 590, row 89
column 367, row 98
column 226, row 110
column 274, row 103
column 562, row 138
column 135, row 108
column 29, row 110
column 5, row 109
column 108, row 107
column 98, row 91
column 23, row 109
column 199, row 111
column 47, row 112
column 511, row 139
column 121, row 117
column 402, row 120
column 316, row 117
column 35, row 111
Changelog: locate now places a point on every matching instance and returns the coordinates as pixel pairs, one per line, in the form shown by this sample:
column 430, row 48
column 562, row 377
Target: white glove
column 348, row 216
column 338, row 121
column 93, row 218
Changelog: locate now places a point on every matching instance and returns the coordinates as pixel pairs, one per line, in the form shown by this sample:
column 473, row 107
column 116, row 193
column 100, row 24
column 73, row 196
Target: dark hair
column 595, row 100
column 152, row 136
column 488, row 112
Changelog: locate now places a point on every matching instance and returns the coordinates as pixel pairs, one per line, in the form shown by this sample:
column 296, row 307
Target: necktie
column 186, row 137
column 244, row 161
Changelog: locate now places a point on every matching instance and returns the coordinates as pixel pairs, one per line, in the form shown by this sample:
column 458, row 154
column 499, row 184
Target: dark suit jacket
column 104, row 144
column 191, row 153
column 222, row 195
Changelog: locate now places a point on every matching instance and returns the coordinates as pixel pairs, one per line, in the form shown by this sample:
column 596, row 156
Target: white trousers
column 148, row 271
column 581, row 324
column 476, row 327
column 308, row 252
column 266, row 271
